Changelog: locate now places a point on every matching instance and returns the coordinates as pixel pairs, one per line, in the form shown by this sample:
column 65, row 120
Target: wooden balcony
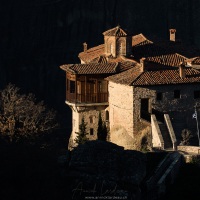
column 87, row 98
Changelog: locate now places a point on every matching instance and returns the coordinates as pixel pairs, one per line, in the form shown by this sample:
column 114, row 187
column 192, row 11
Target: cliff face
column 39, row 35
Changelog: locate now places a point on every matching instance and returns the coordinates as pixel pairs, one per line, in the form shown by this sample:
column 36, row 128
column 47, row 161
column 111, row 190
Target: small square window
column 159, row 96
column 177, row 94
column 91, row 131
column 197, row 94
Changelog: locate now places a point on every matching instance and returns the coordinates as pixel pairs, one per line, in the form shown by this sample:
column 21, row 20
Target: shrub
column 81, row 137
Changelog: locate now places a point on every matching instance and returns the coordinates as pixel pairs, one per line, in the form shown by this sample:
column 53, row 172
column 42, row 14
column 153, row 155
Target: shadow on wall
column 119, row 136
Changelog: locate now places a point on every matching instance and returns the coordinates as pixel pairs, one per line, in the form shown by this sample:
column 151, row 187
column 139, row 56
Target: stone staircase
column 165, row 135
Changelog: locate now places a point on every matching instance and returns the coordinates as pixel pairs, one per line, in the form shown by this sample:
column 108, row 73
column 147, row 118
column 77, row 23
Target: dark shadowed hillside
column 39, row 35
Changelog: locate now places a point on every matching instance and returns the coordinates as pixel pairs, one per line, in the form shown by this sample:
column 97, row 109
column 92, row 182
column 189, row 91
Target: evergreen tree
column 81, row 137
column 102, row 129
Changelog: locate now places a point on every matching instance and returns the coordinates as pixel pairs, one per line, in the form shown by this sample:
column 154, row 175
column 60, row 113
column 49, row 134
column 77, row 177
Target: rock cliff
column 39, row 35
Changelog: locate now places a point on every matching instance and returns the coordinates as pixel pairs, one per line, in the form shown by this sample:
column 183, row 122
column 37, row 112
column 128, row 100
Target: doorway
column 144, row 109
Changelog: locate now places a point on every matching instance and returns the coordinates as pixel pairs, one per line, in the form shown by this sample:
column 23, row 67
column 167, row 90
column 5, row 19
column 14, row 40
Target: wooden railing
column 87, row 98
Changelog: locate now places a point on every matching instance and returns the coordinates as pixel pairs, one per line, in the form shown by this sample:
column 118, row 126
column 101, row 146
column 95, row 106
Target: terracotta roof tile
column 92, row 53
column 172, row 60
column 196, row 61
column 146, row 49
column 126, row 77
column 138, row 39
column 126, row 64
column 160, row 77
column 117, row 31
column 172, row 76
column 100, row 59
column 92, row 68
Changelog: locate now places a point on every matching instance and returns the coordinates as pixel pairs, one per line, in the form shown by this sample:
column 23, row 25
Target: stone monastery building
column 135, row 83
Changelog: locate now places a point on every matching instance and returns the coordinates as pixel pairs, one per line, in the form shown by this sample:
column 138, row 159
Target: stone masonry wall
column 87, row 112
column 180, row 110
column 121, row 114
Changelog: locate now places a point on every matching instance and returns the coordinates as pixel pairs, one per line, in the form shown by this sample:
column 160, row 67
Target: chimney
column 182, row 70
column 172, row 33
column 84, row 46
column 142, row 64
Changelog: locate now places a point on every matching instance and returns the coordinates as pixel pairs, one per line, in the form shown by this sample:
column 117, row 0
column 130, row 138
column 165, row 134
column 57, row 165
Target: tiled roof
column 196, row 61
column 99, row 59
column 157, row 54
column 126, row 77
column 92, row 53
column 160, row 77
column 117, row 31
column 92, row 68
column 172, row 60
column 125, row 65
column 145, row 49
column 172, row 76
column 138, row 39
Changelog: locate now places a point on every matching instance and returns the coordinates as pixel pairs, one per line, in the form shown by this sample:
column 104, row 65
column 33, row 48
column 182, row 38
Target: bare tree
column 21, row 116
column 186, row 136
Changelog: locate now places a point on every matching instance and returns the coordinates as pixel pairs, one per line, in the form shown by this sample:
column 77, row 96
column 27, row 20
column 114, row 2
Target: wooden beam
column 85, row 88
column 76, row 88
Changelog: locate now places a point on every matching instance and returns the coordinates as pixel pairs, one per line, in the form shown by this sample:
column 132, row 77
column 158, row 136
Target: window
column 91, row 119
column 120, row 48
column 197, row 94
column 111, row 48
column 72, row 86
column 159, row 96
column 177, row 94
column 91, row 131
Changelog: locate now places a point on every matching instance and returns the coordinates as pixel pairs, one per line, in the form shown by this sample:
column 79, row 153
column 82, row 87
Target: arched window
column 120, row 48
column 111, row 48
column 107, row 115
column 91, row 119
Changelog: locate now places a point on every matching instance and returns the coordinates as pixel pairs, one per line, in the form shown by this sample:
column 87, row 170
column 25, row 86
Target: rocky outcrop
column 100, row 168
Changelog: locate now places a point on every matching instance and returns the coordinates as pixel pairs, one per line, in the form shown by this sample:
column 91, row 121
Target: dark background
column 37, row 36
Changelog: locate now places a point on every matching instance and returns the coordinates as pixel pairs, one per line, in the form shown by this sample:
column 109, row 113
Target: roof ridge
column 137, row 76
column 69, row 68
column 181, row 55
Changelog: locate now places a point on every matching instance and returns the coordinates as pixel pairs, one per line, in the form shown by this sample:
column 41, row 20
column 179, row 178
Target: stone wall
column 180, row 110
column 91, row 117
column 189, row 149
column 121, row 114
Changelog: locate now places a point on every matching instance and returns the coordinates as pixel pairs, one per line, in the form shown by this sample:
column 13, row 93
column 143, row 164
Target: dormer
column 117, row 42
